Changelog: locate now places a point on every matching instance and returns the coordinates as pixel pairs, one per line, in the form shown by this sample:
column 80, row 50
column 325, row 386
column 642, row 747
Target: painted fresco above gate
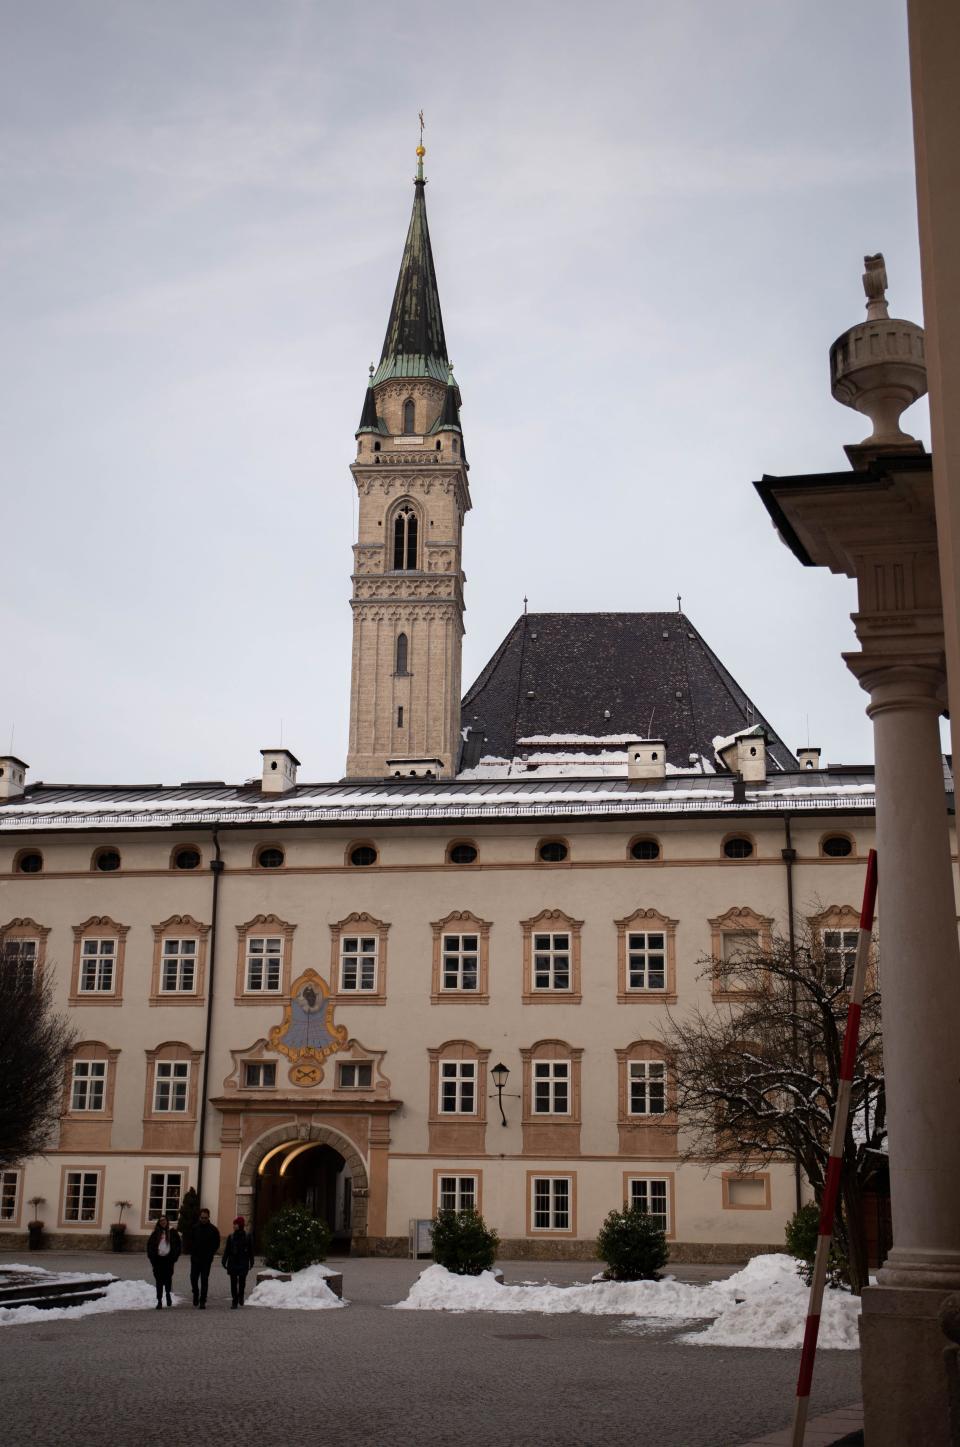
column 307, row 1031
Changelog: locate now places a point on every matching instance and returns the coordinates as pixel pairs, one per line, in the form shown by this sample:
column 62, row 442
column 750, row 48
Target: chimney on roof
column 279, row 771
column 809, row 757
column 646, row 758
column 13, row 775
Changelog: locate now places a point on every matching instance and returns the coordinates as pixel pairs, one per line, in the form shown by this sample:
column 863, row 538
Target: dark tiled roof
column 646, row 674
column 414, row 345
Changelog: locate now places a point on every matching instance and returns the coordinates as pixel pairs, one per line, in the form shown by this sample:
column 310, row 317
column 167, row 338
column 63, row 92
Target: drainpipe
column 216, row 869
column 788, row 854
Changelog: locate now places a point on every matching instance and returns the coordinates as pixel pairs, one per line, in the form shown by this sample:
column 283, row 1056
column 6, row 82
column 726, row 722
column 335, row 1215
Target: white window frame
column 87, row 1075
column 641, row 955
column 359, row 963
column 21, row 953
column 650, row 1079
column 164, row 1194
column 173, row 953
column 171, row 1087
column 80, row 1211
column 550, row 1086
column 840, row 957
column 10, row 1183
column 346, row 1067
column 255, row 1070
column 545, row 968
column 454, row 1194
column 454, row 952
column 462, row 1076
column 645, row 1194
column 263, row 969
column 559, row 1203
column 99, row 954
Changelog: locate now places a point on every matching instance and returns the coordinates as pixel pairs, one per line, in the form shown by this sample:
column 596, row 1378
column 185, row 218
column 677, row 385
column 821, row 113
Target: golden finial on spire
column 421, row 150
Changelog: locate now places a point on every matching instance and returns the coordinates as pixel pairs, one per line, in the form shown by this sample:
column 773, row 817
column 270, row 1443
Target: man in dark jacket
column 238, row 1258
column 204, row 1245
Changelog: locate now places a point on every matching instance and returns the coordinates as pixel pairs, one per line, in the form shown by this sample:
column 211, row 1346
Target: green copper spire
column 414, row 345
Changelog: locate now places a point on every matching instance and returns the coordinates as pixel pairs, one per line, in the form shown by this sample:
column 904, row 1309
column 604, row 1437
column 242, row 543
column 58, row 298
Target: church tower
column 411, row 478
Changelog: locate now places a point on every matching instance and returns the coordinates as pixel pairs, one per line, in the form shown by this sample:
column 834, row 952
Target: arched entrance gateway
column 311, row 1165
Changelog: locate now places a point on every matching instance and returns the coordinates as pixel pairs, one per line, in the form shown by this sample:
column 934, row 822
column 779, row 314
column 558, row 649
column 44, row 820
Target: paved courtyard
column 370, row 1376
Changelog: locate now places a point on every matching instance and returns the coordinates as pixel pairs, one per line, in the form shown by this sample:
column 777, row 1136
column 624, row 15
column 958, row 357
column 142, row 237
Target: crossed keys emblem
column 306, row 1074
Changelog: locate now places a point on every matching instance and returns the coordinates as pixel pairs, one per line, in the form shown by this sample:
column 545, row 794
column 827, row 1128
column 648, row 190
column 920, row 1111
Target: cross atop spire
column 414, row 345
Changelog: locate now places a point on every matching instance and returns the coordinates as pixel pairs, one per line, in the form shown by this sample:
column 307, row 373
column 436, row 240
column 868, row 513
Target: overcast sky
column 648, row 223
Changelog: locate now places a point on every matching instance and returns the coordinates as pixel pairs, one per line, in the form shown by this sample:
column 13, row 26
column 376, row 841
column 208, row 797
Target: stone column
column 905, row 1389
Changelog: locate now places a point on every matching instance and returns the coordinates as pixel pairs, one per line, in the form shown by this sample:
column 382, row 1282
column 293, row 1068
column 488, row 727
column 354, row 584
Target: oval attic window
column 363, row 855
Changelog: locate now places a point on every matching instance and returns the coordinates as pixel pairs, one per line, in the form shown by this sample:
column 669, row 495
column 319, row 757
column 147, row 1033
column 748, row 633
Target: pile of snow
column 118, row 1296
column 307, row 1290
column 764, row 1305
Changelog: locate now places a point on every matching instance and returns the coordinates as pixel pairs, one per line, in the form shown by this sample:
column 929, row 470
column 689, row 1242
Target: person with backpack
column 163, row 1251
column 238, row 1259
column 204, row 1245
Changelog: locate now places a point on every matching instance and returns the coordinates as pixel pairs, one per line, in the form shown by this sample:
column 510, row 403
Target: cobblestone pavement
column 186, row 1378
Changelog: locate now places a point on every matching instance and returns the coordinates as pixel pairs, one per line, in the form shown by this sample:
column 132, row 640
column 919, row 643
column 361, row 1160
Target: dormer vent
column 809, row 757
column 646, row 759
column 13, row 777
column 744, row 753
column 279, row 771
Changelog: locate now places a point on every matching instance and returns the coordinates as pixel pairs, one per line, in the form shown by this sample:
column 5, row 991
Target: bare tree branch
column 35, row 1043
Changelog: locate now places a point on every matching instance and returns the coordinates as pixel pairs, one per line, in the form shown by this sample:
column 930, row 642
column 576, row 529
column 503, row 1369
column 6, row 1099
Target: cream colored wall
column 410, row 887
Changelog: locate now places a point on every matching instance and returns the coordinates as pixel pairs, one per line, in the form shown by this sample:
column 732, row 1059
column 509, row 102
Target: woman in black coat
column 163, row 1249
column 238, row 1258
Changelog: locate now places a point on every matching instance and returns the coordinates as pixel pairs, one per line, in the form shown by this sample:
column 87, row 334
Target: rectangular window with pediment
column 458, row 1087
column 358, row 963
column 551, row 961
column 88, row 1087
column 551, row 1087
column 170, row 1087
column 648, row 1087
column 178, row 967
column 646, row 960
column 461, row 962
column 264, row 964
column 97, row 961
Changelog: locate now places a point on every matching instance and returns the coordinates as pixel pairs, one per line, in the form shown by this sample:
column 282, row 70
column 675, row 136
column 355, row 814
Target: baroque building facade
column 442, row 980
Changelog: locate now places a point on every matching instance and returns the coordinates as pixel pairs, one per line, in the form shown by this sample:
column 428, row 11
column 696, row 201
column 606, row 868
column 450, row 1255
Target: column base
column 905, row 1391
column 923, row 1270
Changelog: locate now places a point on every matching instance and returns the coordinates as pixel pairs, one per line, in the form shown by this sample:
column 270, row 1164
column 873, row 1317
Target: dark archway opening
column 317, row 1177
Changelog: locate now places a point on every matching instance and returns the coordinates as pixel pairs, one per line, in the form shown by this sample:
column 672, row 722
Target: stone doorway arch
column 300, row 1133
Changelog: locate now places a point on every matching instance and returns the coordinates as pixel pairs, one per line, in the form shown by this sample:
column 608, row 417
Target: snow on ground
column 118, row 1296
column 764, row 1305
column 306, row 1290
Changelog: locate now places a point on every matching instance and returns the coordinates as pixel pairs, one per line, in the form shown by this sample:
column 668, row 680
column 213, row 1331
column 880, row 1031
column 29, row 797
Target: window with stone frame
column 458, row 1087
column 456, row 1192
column 652, row 1194
column 647, row 1087
column 551, row 1203
column 646, row 957
column 10, row 1192
column 551, row 958
column 88, row 1085
column 81, row 1197
column 163, row 1195
column 738, row 935
column 359, row 959
column 461, row 954
column 179, row 961
column 551, row 1087
column 99, row 946
column 264, row 957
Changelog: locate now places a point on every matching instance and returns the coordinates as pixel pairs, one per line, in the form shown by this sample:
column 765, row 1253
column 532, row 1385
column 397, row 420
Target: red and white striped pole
column 831, row 1187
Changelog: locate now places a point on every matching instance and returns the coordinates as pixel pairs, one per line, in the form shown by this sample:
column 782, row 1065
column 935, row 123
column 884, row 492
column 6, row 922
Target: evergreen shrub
column 463, row 1243
column 802, row 1231
column 294, row 1238
column 633, row 1246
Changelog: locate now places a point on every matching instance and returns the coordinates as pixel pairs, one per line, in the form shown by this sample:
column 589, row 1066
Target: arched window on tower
column 401, row 653
column 409, row 417
column 405, row 540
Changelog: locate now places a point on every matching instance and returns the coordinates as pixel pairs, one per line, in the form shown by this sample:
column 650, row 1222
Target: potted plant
column 35, row 1227
column 118, row 1229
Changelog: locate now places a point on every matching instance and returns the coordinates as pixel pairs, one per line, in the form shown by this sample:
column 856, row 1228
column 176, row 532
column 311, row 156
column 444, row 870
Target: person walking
column 238, row 1258
column 163, row 1250
column 204, row 1245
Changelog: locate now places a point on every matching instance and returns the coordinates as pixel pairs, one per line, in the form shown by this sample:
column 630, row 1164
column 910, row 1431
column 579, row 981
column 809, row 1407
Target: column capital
column 900, row 679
